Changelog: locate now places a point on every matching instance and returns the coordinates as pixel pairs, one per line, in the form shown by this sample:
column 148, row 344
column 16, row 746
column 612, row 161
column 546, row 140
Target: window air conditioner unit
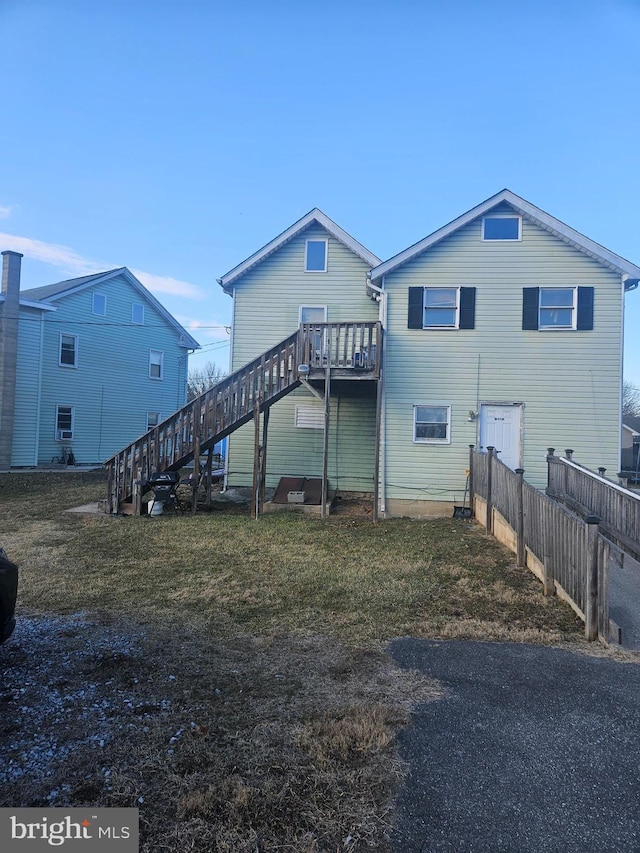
column 64, row 434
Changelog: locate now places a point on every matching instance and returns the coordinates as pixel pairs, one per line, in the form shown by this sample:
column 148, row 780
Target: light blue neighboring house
column 87, row 364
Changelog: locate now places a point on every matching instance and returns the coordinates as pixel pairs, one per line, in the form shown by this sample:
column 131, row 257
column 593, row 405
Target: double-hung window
column 432, row 424
column 442, row 308
column 153, row 419
column 557, row 308
column 68, row 353
column 64, row 423
column 156, row 362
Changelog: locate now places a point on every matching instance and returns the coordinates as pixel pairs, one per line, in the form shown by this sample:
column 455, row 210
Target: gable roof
column 528, row 211
column 315, row 215
column 52, row 292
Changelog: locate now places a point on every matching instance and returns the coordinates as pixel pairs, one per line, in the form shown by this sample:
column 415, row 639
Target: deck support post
column 471, row 484
column 208, row 475
column 255, row 492
column 325, row 449
column 263, row 458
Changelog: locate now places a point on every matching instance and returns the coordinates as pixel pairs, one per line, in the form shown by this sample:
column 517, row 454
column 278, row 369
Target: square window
column 99, row 304
column 557, row 308
column 68, row 356
column 440, row 307
column 501, row 228
column 156, row 359
column 137, row 314
column 316, row 256
column 431, row 424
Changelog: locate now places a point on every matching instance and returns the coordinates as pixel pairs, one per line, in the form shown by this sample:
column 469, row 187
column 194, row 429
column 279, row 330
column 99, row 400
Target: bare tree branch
column 630, row 399
column 202, row 378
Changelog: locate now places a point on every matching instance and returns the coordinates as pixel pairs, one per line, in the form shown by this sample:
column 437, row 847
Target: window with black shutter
column 441, row 308
column 557, row 308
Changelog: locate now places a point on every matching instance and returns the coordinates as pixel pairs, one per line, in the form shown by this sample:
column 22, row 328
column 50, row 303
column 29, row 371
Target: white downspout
column 225, row 480
column 382, row 314
column 623, row 280
column 39, row 392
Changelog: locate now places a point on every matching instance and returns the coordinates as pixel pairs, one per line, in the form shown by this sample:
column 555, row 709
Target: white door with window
column 500, row 427
column 315, row 314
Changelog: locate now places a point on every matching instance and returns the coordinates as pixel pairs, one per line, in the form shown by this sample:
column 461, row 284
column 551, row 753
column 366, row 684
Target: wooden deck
column 346, row 350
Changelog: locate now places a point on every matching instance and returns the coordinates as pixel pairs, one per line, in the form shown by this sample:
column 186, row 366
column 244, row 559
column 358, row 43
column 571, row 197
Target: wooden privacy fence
column 588, row 493
column 567, row 553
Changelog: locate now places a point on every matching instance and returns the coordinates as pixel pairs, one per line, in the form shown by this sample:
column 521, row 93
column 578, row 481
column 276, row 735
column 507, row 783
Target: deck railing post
column 521, row 556
column 490, row 452
column 591, row 578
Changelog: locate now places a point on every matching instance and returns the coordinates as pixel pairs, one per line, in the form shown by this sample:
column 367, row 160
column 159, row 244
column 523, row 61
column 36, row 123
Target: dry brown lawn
column 228, row 677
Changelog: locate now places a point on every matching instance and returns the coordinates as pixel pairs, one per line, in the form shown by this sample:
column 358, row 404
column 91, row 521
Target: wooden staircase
column 352, row 349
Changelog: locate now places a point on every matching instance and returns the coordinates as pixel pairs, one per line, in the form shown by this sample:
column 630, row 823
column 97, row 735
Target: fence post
column 489, row 526
column 549, row 547
column 604, row 555
column 471, row 447
column 550, row 477
column 521, row 556
column 591, row 556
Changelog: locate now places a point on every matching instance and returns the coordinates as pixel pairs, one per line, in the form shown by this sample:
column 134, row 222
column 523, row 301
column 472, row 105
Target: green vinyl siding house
column 312, row 273
column 503, row 329
column 90, row 364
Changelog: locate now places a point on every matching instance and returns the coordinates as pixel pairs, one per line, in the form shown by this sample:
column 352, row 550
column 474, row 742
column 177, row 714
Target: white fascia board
column 28, row 303
column 42, row 306
column 530, row 211
column 314, row 215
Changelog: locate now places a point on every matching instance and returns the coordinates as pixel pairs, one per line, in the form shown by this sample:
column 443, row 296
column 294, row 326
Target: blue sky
column 176, row 137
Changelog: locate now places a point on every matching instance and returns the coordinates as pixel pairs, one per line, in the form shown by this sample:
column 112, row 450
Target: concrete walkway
column 531, row 750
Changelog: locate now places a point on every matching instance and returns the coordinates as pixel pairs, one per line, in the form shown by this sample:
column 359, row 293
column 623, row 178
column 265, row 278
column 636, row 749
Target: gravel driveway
column 531, row 749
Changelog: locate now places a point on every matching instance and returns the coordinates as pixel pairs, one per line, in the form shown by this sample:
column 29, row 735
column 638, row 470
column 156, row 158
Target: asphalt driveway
column 531, row 749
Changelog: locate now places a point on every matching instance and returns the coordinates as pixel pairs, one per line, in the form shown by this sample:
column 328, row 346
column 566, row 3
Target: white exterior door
column 500, row 428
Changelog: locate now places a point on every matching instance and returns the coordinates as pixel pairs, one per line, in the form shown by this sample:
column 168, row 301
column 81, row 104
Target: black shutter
column 416, row 308
column 585, row 309
column 467, row 308
column 530, row 300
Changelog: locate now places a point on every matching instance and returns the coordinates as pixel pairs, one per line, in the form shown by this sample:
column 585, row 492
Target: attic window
column 99, row 304
column 501, row 228
column 315, row 259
